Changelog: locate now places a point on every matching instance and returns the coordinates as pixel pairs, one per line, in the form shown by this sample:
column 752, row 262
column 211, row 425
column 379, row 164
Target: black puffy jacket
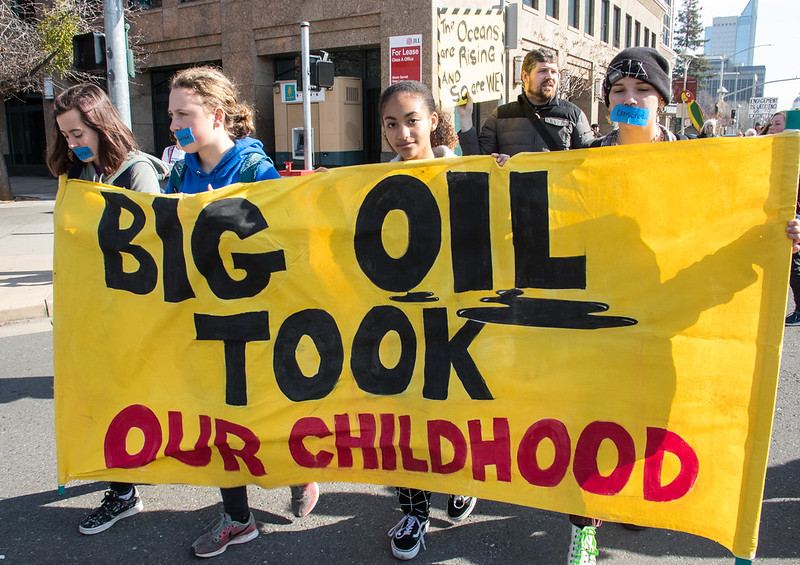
column 509, row 130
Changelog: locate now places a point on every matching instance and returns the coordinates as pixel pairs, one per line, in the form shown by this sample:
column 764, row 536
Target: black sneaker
column 407, row 536
column 459, row 507
column 793, row 319
column 111, row 510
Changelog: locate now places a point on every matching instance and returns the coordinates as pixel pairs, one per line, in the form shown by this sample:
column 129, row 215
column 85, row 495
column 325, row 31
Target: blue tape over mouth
column 631, row 115
column 83, row 153
column 184, row 136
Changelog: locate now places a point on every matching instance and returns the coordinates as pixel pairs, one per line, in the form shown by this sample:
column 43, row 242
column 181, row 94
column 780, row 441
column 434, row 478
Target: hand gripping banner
column 595, row 332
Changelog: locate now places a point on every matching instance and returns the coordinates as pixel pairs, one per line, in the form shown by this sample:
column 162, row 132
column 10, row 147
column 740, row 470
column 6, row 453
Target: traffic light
column 89, row 52
column 733, row 115
column 322, row 73
column 321, row 70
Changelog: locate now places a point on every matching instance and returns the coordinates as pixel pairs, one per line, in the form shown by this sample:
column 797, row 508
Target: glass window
column 574, row 13
column 637, row 34
column 552, row 8
column 532, row 3
column 646, row 37
column 604, row 21
column 617, row 26
column 589, row 17
column 628, row 30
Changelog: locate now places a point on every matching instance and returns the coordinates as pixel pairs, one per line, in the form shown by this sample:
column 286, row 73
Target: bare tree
column 35, row 42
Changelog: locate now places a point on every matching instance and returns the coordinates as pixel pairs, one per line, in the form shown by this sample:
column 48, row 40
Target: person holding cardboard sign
column 537, row 121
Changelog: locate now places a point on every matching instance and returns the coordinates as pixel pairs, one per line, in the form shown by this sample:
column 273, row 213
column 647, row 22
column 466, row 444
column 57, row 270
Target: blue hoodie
column 227, row 170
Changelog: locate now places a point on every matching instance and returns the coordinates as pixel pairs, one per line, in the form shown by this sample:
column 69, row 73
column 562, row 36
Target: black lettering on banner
column 470, row 236
column 534, row 268
column 411, row 196
column 368, row 370
column 176, row 282
column 115, row 241
column 234, row 331
column 243, row 218
column 320, row 326
column 441, row 352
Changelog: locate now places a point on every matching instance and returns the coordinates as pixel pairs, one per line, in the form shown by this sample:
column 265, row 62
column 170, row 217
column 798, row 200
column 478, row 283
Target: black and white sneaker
column 112, row 509
column 459, row 507
column 407, row 536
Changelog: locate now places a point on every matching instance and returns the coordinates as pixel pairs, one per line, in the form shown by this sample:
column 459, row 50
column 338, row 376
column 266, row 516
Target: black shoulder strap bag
column 536, row 120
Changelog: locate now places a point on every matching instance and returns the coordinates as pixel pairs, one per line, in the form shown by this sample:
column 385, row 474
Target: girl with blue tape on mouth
column 636, row 87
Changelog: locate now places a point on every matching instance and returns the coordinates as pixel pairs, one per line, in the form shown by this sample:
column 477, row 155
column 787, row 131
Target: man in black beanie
column 537, row 121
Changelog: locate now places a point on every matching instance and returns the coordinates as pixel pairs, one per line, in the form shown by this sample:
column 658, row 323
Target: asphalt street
column 349, row 525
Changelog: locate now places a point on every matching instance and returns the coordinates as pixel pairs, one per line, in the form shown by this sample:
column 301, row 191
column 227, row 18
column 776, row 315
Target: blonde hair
column 216, row 90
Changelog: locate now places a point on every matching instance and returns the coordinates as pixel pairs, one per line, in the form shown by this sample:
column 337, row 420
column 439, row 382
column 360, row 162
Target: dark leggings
column 120, row 488
column 414, row 502
column 234, row 501
column 582, row 521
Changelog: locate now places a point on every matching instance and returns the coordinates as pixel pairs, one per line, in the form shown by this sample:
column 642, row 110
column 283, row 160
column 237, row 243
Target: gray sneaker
column 224, row 533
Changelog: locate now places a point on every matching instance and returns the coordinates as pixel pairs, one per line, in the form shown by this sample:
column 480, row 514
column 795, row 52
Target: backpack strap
column 249, row 170
column 75, row 171
column 123, row 180
column 176, row 176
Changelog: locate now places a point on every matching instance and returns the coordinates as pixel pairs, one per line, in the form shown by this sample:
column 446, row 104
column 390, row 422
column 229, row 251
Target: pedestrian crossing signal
column 89, row 52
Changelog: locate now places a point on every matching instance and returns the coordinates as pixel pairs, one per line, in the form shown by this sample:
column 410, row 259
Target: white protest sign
column 470, row 51
column 763, row 108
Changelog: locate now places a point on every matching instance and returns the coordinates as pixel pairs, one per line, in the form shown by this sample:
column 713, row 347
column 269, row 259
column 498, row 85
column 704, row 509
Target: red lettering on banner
column 386, row 443
column 659, row 442
column 200, row 456
column 585, row 465
column 144, row 419
column 115, row 444
column 247, row 453
column 527, row 459
column 366, row 442
column 472, row 444
column 410, row 463
column 437, row 431
column 495, row 452
column 309, row 427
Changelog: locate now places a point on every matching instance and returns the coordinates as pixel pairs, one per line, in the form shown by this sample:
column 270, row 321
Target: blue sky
column 779, row 24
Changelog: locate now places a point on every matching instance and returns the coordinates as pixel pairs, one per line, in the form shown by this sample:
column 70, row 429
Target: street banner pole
column 117, row 59
column 305, row 69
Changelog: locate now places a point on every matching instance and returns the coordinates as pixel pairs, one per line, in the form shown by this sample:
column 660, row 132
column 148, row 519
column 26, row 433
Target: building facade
column 734, row 36
column 257, row 44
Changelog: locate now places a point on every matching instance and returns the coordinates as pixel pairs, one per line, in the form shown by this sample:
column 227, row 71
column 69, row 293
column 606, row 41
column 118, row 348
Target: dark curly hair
column 445, row 133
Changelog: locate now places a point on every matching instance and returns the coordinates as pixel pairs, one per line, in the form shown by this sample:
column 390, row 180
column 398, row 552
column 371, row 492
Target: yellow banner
column 595, row 332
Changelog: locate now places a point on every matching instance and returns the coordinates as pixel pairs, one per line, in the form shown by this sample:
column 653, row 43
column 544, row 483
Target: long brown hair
column 216, row 90
column 115, row 138
column 444, row 134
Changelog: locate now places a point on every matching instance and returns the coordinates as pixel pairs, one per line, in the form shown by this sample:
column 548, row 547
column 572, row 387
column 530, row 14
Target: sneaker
column 793, row 319
column 304, row 499
column 582, row 546
column 112, row 509
column 459, row 507
column 407, row 536
column 224, row 533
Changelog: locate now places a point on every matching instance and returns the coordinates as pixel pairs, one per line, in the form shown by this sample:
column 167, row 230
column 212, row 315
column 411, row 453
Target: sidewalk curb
column 25, row 313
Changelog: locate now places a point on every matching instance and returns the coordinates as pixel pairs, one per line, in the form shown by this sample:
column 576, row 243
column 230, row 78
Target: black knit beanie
column 641, row 63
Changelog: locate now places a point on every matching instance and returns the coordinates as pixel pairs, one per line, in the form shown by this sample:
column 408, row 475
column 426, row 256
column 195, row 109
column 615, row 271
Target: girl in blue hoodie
column 213, row 128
